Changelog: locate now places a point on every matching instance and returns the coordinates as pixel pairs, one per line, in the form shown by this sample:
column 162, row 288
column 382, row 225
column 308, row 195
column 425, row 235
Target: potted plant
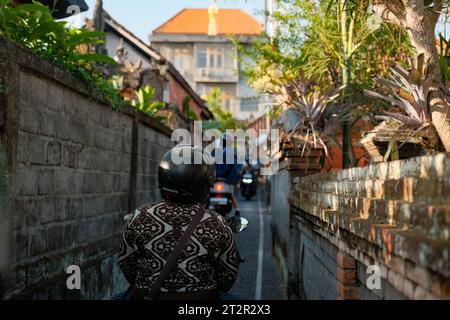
column 406, row 129
column 308, row 118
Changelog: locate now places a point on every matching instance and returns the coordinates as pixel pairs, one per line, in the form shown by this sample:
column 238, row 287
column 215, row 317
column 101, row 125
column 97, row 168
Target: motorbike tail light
column 219, row 187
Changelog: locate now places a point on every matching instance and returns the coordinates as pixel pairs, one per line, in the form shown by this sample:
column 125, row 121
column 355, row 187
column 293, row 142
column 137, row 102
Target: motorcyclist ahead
column 229, row 172
column 208, row 261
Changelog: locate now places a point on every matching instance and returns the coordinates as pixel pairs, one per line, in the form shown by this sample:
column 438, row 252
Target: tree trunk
column 346, row 80
column 421, row 26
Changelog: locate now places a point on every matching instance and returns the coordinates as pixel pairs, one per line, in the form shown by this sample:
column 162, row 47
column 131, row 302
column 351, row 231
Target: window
column 176, row 61
column 201, row 58
column 216, row 57
column 219, row 61
column 184, row 61
column 181, row 59
column 230, row 60
column 250, row 105
column 211, row 59
column 202, row 89
column 227, row 101
column 228, row 104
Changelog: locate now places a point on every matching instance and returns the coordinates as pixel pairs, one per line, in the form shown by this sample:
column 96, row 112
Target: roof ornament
column 213, row 13
column 121, row 52
column 132, row 68
column 130, row 73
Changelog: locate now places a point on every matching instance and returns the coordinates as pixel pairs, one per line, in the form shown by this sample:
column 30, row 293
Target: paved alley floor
column 258, row 278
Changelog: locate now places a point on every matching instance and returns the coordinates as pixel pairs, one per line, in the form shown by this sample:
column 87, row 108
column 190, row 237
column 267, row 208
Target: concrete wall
column 394, row 216
column 279, row 208
column 70, row 169
column 293, row 165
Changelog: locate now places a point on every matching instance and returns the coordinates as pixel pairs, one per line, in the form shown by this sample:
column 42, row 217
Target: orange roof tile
column 195, row 21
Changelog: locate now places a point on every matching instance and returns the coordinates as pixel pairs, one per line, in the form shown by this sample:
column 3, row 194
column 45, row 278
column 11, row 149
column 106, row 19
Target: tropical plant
column 189, row 113
column 117, row 82
column 333, row 45
column 408, row 90
column 419, row 19
column 224, row 120
column 33, row 27
column 147, row 104
column 444, row 51
column 312, row 112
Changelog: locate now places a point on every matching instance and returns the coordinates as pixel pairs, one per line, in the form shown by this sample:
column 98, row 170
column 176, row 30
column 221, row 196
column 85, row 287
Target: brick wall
column 394, row 216
column 178, row 93
column 70, row 169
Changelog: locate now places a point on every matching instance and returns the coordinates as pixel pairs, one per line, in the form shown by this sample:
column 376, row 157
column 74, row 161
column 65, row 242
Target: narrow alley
column 259, row 277
column 120, row 122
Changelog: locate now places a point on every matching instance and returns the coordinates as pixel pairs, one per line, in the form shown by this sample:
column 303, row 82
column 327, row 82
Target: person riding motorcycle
column 229, row 172
column 208, row 264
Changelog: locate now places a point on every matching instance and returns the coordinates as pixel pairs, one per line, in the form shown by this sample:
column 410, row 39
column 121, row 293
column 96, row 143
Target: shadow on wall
column 394, row 215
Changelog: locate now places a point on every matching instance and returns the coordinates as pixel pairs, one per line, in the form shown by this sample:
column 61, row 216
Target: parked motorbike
column 248, row 186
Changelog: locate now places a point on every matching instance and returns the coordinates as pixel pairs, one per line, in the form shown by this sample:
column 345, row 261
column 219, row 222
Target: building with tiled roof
column 196, row 21
column 170, row 86
column 198, row 43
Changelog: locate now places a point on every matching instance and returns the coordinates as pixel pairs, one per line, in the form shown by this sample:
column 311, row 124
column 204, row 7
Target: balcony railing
column 215, row 75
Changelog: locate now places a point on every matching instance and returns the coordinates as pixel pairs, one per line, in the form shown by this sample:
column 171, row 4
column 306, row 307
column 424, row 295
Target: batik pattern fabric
column 209, row 260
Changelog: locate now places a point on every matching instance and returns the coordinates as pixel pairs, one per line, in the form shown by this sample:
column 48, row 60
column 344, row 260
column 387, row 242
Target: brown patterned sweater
column 208, row 262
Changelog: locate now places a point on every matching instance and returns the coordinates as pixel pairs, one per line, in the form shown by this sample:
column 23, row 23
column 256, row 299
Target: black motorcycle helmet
column 186, row 182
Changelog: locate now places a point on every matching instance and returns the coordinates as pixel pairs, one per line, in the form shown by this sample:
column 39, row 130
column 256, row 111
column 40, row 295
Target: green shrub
column 32, row 26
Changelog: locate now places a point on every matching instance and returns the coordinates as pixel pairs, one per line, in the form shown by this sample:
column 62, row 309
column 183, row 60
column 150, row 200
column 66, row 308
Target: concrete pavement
column 258, row 278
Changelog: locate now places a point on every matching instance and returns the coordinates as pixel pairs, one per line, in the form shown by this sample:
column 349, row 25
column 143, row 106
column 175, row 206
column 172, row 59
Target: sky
column 143, row 16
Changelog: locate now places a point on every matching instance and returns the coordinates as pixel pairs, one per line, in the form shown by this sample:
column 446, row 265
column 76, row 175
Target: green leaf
column 93, row 57
column 30, row 7
column 84, row 38
column 392, row 151
column 330, row 5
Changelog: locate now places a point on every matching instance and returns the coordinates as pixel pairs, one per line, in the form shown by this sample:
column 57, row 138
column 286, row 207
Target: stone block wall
column 293, row 165
column 152, row 145
column 394, row 217
column 279, row 208
column 71, row 168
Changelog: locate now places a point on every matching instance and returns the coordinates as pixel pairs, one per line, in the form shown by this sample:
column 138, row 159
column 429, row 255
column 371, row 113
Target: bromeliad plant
column 313, row 112
column 407, row 90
